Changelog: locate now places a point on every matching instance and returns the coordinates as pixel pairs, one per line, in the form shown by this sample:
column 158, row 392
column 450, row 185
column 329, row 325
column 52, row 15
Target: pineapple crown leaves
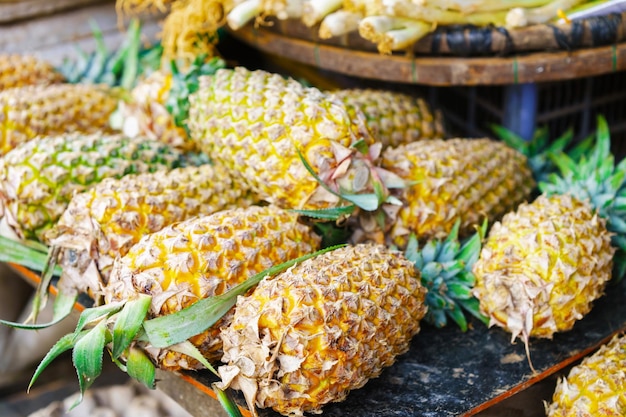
column 446, row 272
column 185, row 83
column 117, row 326
column 539, row 149
column 596, row 178
column 381, row 181
column 122, row 67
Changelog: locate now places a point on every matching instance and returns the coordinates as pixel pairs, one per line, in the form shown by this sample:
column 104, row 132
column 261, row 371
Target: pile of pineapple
column 289, row 239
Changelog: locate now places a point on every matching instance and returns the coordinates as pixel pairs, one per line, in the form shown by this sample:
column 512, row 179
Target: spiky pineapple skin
column 17, row 70
column 39, row 178
column 596, row 386
column 542, row 266
column 105, row 221
column 393, row 118
column 203, row 257
column 47, row 110
column 255, row 122
column 450, row 179
column 322, row 328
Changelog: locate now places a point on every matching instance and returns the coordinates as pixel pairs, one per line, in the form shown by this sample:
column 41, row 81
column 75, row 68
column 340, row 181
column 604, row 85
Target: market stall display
column 321, row 249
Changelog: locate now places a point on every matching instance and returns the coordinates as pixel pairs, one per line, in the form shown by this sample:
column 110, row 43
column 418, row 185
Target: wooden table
column 445, row 373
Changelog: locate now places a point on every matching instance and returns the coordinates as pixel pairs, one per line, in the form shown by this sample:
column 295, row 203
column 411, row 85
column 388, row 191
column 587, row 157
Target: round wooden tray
column 439, row 70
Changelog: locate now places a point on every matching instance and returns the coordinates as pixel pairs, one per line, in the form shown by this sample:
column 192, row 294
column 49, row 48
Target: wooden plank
column 441, row 71
column 11, row 11
column 57, row 36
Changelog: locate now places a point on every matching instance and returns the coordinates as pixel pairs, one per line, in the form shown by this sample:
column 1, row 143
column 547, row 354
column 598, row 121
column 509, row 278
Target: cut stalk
column 243, row 13
column 339, row 23
column 434, row 14
column 404, row 38
column 520, row 17
column 482, row 6
column 316, row 10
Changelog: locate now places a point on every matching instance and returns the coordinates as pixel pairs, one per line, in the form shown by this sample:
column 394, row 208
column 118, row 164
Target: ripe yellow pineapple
column 20, row 70
column 27, row 112
column 204, row 257
column 256, row 123
column 595, row 387
column 467, row 179
column 39, row 178
column 543, row 265
column 322, row 328
column 394, row 118
column 105, row 221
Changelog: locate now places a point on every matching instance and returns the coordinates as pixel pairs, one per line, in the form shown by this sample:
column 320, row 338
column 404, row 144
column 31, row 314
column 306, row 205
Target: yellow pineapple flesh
column 394, row 118
column 466, row 179
column 255, row 123
column 57, row 109
column 17, row 70
column 204, row 257
column 322, row 328
column 595, row 387
column 542, row 266
column 105, row 221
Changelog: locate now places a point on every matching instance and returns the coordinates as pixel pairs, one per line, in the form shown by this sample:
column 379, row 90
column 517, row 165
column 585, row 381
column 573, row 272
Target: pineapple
column 544, row 264
column 595, row 387
column 467, row 179
column 39, row 178
column 21, row 70
column 158, row 104
column 394, row 118
column 27, row 112
column 258, row 124
column 204, row 257
column 446, row 273
column 105, row 221
column 324, row 327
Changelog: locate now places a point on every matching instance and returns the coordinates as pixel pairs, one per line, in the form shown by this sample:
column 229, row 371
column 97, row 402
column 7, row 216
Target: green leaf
column 559, row 144
column 367, row 202
column 472, row 306
column 511, row 139
column 565, row 164
column 64, row 344
column 327, row 214
column 459, row 291
column 617, row 224
column 40, row 298
column 430, row 251
column 177, row 327
column 140, row 367
column 188, row 348
column 456, row 314
column 431, row 270
column 361, row 146
column 63, row 306
column 128, row 322
column 412, row 251
column 227, row 403
column 87, row 357
column 95, row 313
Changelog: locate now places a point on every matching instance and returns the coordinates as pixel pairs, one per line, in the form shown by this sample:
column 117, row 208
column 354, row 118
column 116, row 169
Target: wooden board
column 446, row 372
column 14, row 10
column 469, row 40
column 58, row 36
column 444, row 70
